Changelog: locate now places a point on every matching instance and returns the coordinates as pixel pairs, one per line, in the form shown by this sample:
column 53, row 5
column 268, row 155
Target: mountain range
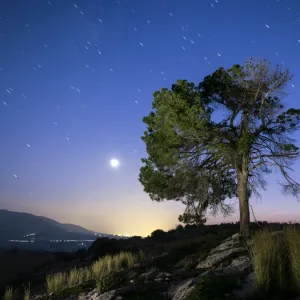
column 19, row 226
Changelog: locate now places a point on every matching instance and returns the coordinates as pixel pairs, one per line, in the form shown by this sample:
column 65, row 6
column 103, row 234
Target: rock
column 94, row 295
column 159, row 279
column 231, row 242
column 132, row 275
column 236, row 237
column 246, row 288
column 111, row 295
column 239, row 265
column 148, row 274
column 217, row 258
column 182, row 289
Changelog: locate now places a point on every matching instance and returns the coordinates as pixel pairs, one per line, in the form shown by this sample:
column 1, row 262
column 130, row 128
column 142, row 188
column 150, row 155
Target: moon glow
column 114, row 163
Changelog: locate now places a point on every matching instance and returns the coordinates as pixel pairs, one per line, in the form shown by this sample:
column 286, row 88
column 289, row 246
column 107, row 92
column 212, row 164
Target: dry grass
column 27, row 292
column 76, row 277
column 99, row 271
column 8, row 295
column 114, row 263
column 270, row 260
column 293, row 243
column 87, row 274
column 56, row 283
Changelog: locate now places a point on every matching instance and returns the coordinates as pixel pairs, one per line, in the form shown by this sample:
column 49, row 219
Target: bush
column 179, row 250
column 105, row 246
column 213, row 287
column 56, row 283
column 158, row 234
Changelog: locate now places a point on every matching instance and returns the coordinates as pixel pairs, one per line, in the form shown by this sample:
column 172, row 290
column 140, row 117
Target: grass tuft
column 270, row 260
column 293, row 243
column 56, row 283
column 114, row 263
column 75, row 277
column 27, row 292
column 8, row 295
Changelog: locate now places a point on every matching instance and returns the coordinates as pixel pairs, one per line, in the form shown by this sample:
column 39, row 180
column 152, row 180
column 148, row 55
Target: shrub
column 105, row 246
column 213, row 287
column 179, row 250
column 56, row 283
column 158, row 234
column 270, row 260
column 8, row 295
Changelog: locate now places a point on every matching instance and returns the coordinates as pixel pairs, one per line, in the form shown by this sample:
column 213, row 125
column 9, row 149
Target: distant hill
column 68, row 227
column 17, row 226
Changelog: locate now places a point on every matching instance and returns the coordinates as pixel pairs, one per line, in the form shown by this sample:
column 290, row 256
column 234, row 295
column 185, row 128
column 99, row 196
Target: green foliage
column 108, row 281
column 202, row 140
column 213, row 287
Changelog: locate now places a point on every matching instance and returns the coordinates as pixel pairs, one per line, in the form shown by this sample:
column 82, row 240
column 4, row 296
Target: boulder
column 181, row 290
column 216, row 258
column 240, row 265
column 231, row 242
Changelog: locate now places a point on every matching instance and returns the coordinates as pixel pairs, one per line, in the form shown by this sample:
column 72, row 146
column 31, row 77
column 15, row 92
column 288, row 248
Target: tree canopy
column 216, row 140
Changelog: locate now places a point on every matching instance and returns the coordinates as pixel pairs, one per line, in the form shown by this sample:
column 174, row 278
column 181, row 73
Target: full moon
column 114, row 163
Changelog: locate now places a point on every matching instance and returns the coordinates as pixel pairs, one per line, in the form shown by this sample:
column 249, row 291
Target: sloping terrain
column 16, row 226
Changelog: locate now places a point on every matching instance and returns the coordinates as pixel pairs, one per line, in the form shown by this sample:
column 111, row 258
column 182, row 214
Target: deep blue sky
column 77, row 77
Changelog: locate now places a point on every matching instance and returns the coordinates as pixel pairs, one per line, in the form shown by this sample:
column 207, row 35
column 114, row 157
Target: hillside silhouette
column 16, row 226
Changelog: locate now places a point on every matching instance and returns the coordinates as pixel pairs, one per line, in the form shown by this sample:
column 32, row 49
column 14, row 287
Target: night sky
column 76, row 78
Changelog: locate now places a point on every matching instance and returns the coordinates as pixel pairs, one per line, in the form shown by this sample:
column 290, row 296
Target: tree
column 193, row 214
column 217, row 140
column 158, row 234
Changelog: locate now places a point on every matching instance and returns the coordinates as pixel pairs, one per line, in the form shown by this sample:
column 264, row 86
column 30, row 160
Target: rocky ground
column 230, row 258
column 225, row 273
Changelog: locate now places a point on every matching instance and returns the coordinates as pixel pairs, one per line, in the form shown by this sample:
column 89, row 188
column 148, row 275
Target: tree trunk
column 242, row 178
